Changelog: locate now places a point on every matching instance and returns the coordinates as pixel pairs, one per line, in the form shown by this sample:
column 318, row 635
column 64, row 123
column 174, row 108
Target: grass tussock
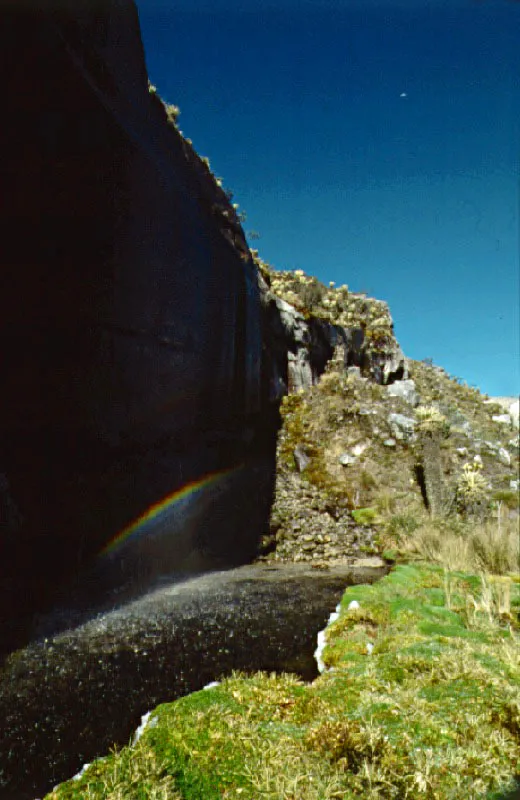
column 420, row 700
column 133, row 773
column 491, row 546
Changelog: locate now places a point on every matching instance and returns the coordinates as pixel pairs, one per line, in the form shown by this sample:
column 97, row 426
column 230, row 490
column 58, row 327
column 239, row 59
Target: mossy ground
column 421, row 699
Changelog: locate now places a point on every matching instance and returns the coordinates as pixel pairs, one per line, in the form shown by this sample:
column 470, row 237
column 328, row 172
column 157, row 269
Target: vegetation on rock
column 444, row 465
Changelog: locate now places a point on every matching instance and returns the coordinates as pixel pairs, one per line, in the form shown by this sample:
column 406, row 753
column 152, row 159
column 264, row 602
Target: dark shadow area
column 419, row 477
column 130, row 335
column 217, row 524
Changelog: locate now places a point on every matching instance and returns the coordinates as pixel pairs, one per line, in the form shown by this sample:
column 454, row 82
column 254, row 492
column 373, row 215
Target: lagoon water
column 86, row 679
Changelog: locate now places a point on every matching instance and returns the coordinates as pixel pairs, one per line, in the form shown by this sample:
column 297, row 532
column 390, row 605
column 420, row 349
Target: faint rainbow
column 155, row 511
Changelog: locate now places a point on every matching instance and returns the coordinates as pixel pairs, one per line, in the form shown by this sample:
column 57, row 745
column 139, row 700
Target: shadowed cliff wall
column 129, row 313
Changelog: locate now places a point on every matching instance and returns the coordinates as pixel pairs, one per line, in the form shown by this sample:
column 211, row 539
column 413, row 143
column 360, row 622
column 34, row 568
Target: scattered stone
column 503, row 419
column 301, row 458
column 513, row 485
column 511, row 405
column 491, row 447
column 504, row 457
column 462, row 451
column 389, row 443
column 368, row 561
column 402, row 427
column 347, row 460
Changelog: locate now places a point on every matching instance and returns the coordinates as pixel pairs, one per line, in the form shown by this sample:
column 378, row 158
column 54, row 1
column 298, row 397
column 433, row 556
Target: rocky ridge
column 305, row 323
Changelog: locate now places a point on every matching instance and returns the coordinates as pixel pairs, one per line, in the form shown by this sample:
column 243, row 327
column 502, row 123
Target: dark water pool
column 68, row 697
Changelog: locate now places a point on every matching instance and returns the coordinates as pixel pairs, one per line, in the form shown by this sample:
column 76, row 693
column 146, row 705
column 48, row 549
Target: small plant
column 431, row 428
column 507, row 497
column 400, row 524
column 367, row 480
column 172, row 113
column 431, row 420
column 471, row 491
column 365, row 516
column 311, row 294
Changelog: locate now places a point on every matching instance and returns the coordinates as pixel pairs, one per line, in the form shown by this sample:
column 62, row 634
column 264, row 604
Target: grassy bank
column 420, row 699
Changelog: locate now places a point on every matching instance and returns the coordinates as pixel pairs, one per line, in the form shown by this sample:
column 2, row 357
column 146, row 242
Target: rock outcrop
column 360, row 464
column 305, row 324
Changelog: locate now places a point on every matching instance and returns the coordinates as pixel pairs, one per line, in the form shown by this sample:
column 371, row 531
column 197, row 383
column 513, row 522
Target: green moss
column 366, row 516
column 418, row 705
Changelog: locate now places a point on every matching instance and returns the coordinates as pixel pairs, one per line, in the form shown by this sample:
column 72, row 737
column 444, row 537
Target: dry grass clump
column 492, row 546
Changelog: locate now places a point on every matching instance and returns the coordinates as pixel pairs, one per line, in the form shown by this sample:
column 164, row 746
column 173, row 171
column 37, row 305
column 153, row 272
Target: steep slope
column 360, row 463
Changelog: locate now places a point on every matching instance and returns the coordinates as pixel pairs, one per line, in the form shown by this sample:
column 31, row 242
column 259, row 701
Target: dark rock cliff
column 129, row 312
column 144, row 348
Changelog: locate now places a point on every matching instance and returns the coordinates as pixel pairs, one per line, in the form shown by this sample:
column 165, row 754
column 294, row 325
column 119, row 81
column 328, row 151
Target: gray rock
column 503, row 419
column 299, row 370
column 490, row 447
column 513, row 485
column 511, row 405
column 405, row 390
column 504, row 457
column 389, row 443
column 402, row 427
column 295, row 326
column 301, row 458
column 346, row 460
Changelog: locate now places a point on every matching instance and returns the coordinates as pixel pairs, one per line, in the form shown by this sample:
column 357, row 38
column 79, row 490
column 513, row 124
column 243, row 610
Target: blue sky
column 373, row 143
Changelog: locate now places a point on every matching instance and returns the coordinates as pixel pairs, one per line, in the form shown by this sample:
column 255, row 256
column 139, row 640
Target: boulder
column 402, row 427
column 504, row 457
column 301, row 459
column 406, row 390
column 502, row 419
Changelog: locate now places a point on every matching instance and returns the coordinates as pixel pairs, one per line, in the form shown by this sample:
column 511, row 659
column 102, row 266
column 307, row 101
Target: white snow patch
column 211, row 685
column 322, row 640
column 145, row 722
column 352, row 605
column 319, row 651
column 83, row 769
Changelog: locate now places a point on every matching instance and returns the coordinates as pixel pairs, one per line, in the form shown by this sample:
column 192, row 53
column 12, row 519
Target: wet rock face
column 129, row 313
